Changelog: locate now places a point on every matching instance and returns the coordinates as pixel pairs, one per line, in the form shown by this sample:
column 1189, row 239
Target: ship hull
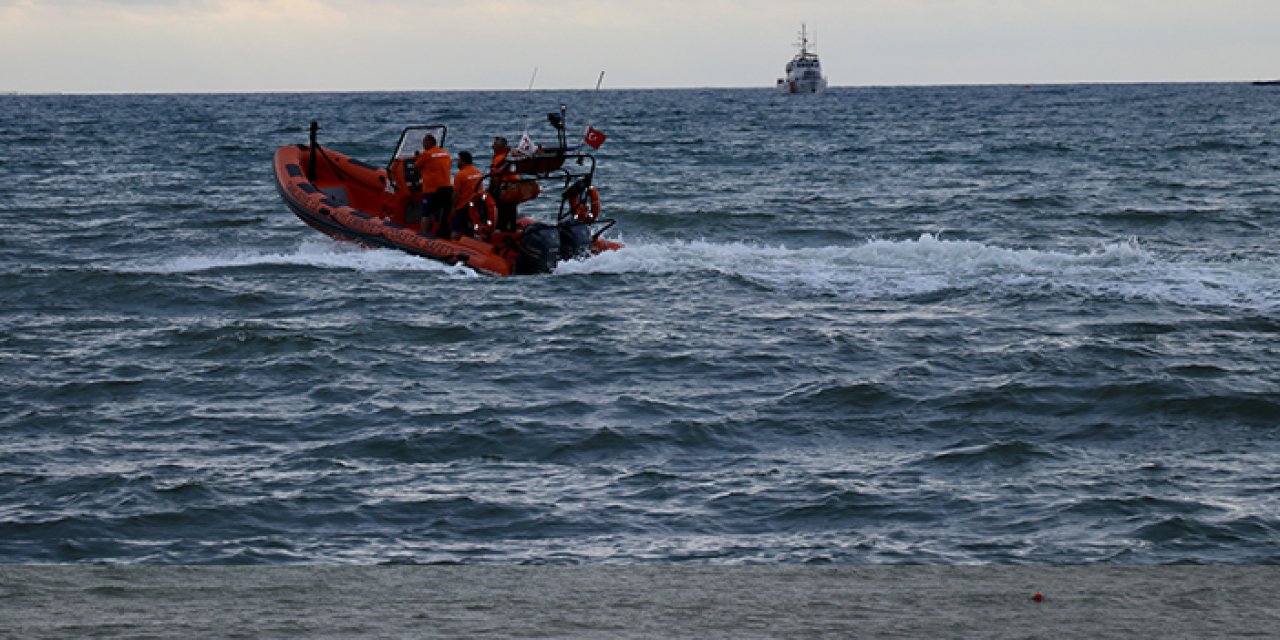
column 802, row 86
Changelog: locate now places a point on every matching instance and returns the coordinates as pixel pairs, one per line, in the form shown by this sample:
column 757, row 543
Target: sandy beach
column 637, row 602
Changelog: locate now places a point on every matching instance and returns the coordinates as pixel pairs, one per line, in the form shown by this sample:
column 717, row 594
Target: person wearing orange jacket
column 434, row 165
column 501, row 175
column 466, row 184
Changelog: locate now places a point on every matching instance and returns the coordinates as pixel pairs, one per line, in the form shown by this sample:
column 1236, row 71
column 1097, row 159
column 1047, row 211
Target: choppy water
column 938, row 325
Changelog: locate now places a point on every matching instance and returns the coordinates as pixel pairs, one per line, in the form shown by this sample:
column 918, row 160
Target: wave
column 931, row 265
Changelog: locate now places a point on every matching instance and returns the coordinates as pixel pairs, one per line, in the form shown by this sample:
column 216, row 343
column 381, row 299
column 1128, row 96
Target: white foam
column 313, row 252
column 875, row 269
column 929, row 264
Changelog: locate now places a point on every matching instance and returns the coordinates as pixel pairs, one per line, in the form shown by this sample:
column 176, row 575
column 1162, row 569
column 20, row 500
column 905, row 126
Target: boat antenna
column 591, row 109
column 527, row 117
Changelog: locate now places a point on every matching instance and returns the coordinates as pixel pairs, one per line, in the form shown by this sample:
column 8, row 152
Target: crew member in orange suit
column 501, row 175
column 434, row 165
column 466, row 184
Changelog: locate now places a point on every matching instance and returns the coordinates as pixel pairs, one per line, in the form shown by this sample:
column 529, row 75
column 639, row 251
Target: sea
column 953, row 326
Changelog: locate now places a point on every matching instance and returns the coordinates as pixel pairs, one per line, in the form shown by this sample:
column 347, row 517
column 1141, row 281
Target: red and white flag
column 525, row 148
column 594, row 138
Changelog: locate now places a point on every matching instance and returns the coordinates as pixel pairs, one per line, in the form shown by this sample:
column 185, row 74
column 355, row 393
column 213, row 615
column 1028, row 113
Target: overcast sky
column 347, row 45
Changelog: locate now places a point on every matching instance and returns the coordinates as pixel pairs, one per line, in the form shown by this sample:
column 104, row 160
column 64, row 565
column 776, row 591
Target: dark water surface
column 918, row 325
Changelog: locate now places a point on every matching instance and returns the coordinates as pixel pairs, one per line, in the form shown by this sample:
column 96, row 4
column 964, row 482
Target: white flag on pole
column 525, row 148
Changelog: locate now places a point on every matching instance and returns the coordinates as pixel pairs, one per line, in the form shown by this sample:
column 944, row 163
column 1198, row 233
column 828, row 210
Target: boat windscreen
column 411, row 139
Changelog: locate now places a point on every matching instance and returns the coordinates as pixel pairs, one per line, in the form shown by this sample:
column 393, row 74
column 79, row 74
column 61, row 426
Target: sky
column 128, row 46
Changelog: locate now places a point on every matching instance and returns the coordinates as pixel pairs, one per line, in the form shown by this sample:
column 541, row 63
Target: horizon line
column 21, row 93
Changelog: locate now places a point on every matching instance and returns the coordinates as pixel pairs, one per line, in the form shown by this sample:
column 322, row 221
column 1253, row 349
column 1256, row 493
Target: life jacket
column 466, row 183
column 433, row 165
column 500, row 171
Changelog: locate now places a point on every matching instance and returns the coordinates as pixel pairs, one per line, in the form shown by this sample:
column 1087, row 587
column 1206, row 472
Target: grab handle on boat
column 311, row 161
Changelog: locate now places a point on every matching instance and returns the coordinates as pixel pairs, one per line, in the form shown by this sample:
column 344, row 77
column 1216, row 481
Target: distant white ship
column 804, row 72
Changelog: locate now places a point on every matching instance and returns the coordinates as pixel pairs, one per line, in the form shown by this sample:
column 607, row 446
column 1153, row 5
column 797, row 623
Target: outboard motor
column 539, row 249
column 575, row 239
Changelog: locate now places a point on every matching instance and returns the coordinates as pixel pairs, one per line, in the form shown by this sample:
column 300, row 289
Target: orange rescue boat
column 382, row 207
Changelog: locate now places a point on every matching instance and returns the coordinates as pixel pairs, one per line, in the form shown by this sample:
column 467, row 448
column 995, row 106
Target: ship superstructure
column 804, row 72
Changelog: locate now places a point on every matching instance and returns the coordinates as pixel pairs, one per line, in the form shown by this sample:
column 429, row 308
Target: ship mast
column 804, row 39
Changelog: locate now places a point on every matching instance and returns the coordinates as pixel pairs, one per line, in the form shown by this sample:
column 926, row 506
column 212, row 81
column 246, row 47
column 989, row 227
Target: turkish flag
column 594, row 138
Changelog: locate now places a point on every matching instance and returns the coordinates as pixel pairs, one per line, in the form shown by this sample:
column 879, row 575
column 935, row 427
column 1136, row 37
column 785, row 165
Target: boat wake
column 319, row 253
column 929, row 265
column 876, row 269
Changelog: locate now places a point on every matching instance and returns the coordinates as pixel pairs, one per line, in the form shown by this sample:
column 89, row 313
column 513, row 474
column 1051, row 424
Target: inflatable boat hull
column 349, row 200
